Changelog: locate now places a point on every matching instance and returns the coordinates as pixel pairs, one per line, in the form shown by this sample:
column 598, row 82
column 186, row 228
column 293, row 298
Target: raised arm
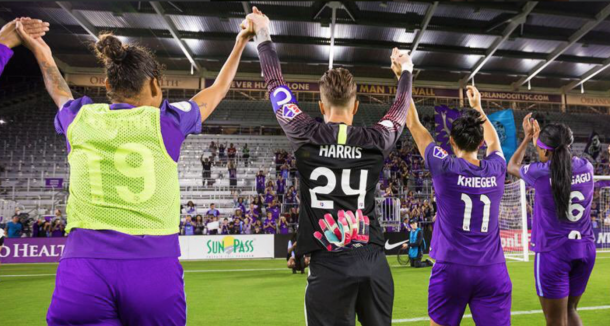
column 53, row 80
column 489, row 132
column 209, row 98
column 10, row 38
column 420, row 134
column 530, row 126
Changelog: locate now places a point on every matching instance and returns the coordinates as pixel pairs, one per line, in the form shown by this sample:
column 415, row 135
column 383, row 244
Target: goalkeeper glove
column 350, row 231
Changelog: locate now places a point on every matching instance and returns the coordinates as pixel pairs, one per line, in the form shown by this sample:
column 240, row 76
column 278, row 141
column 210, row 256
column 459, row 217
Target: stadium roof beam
column 409, row 21
column 513, row 23
column 374, row 64
column 356, row 43
column 587, row 76
column 424, row 26
column 175, row 33
column 80, row 18
column 586, row 28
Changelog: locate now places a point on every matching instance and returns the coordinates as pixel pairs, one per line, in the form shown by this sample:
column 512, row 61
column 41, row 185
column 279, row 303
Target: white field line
column 225, row 270
column 513, row 313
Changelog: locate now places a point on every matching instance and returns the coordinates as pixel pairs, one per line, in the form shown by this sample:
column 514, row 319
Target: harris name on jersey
column 340, row 151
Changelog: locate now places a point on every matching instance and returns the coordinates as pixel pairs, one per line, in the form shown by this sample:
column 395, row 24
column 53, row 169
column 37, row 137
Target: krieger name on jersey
column 340, row 151
column 477, row 182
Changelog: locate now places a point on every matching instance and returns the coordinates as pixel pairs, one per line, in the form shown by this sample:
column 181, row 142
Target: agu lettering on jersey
column 339, row 165
column 468, row 199
column 548, row 232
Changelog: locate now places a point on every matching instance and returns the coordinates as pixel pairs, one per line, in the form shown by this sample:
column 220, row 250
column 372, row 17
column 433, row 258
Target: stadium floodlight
column 582, row 88
column 2, row 121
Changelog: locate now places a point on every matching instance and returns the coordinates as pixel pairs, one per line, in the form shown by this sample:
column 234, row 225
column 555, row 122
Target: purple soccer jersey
column 548, row 232
column 468, row 197
column 5, row 56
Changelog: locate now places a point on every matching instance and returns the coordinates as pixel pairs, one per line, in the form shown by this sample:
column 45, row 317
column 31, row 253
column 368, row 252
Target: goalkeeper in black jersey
column 339, row 165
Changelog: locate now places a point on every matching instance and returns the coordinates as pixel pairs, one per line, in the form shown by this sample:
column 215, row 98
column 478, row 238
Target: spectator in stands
column 207, row 171
column 238, row 202
column 258, row 227
column 57, row 229
column 231, row 152
column 211, row 219
column 232, row 173
column 190, row 208
column 293, row 215
column 258, row 206
column 275, row 209
column 594, row 211
column 221, row 153
column 234, row 227
column 260, row 182
column 187, row 227
column 269, row 225
column 285, row 171
column 13, row 228
column 59, row 215
column 245, row 154
column 225, row 226
column 213, row 211
column 238, row 214
column 39, row 228
column 281, row 188
column 214, row 151
column 283, row 225
column 253, row 212
column 594, row 223
column 607, row 220
column 269, row 196
column 247, row 225
column 199, row 225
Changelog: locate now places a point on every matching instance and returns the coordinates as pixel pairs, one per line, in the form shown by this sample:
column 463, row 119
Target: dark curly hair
column 128, row 67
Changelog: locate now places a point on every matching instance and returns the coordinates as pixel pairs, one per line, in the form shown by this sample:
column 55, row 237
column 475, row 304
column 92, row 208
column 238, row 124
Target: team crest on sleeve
column 289, row 111
column 183, row 106
column 526, row 168
column 439, row 152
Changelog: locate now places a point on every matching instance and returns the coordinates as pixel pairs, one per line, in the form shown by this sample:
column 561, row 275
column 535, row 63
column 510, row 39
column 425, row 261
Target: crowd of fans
column 22, row 225
column 405, row 192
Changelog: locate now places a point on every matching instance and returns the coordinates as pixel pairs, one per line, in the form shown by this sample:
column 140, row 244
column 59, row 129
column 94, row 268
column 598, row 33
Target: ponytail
column 559, row 137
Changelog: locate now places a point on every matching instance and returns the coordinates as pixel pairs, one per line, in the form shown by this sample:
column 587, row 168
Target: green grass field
column 264, row 292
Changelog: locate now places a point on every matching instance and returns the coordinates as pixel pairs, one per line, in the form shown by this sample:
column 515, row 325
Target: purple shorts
column 486, row 289
column 565, row 271
column 118, row 292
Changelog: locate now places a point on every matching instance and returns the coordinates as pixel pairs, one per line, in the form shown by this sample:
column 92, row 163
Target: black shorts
column 353, row 283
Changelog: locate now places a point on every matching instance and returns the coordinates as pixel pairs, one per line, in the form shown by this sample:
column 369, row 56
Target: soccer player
column 470, row 267
column 339, row 165
column 120, row 264
column 562, row 236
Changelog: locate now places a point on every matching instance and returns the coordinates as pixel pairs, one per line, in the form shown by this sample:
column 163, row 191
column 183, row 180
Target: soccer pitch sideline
column 264, row 292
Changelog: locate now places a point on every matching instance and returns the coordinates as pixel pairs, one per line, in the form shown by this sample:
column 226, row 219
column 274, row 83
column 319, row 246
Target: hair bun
column 111, row 48
column 472, row 118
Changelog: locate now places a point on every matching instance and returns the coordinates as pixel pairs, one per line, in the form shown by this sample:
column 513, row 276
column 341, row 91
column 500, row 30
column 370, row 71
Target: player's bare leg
column 573, row 317
column 555, row 311
column 433, row 323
